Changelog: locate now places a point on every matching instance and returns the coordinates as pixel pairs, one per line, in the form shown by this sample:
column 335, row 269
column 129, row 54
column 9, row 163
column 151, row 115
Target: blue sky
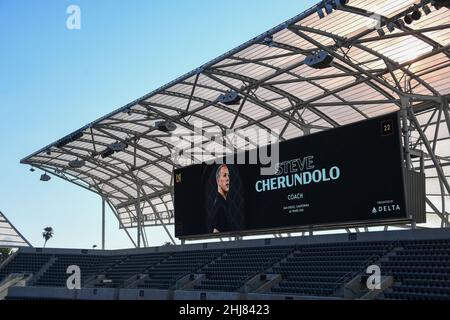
column 54, row 81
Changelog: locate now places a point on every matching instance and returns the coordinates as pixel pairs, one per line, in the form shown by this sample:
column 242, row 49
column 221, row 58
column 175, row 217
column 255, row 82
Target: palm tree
column 4, row 253
column 47, row 234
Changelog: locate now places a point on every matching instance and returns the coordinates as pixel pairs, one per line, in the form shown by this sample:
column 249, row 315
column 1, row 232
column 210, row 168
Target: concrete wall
column 149, row 294
column 138, row 294
column 418, row 234
column 207, row 295
column 40, row 293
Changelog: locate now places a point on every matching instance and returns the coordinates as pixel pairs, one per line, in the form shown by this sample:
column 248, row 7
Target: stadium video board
column 351, row 175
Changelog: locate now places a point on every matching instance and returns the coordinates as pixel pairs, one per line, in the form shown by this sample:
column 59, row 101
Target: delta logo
column 386, row 209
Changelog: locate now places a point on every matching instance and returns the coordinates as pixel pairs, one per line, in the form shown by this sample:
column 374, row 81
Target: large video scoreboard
column 350, row 175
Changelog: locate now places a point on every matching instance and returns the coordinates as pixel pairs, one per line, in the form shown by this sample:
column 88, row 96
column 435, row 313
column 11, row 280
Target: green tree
column 47, row 234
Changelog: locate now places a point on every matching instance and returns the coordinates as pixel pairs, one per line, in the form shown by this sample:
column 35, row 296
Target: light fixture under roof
column 108, row 152
column 426, row 9
column 229, row 98
column 408, row 19
column 45, row 177
column 165, row 126
column 114, row 147
column 416, row 15
column 76, row 163
column 319, row 60
column 118, row 146
column 391, row 27
column 268, row 41
column 73, row 137
column 329, row 7
column 320, row 13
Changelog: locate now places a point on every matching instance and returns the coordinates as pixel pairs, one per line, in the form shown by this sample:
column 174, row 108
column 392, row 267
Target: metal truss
column 372, row 73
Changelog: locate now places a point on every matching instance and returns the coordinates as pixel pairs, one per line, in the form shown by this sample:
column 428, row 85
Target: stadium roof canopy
column 10, row 237
column 380, row 64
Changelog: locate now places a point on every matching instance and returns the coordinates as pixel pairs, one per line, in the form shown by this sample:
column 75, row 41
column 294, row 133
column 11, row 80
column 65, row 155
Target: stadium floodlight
column 426, row 9
column 268, row 41
column 391, row 27
column 408, row 19
column 32, row 169
column 73, row 137
column 45, row 177
column 165, row 126
column 320, row 13
column 107, row 153
column 118, row 146
column 416, row 15
column 381, row 32
column 328, row 8
column 319, row 60
column 76, row 163
column 230, row 98
column 114, row 147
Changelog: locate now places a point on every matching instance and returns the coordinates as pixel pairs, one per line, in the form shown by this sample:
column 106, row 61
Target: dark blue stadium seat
column 421, row 269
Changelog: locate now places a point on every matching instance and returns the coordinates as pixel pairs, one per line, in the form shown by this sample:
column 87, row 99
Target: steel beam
column 103, row 223
column 424, row 138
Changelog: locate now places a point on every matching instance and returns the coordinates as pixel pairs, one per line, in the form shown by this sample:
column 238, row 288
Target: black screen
column 348, row 175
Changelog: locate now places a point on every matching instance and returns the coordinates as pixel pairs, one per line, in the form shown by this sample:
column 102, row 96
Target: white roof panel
column 368, row 74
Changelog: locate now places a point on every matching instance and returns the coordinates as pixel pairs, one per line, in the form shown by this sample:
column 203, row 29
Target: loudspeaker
column 319, row 60
column 165, row 126
column 229, row 98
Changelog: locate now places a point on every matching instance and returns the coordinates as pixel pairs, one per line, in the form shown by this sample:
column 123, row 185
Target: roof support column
column 445, row 108
column 138, row 214
column 427, row 144
column 405, row 130
column 120, row 222
column 103, row 223
column 149, row 201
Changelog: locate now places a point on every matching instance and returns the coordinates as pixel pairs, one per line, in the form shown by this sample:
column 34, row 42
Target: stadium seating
column 56, row 275
column 164, row 275
column 130, row 267
column 236, row 266
column 420, row 268
column 26, row 263
column 321, row 269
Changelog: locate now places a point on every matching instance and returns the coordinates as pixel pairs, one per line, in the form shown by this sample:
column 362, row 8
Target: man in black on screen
column 220, row 221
